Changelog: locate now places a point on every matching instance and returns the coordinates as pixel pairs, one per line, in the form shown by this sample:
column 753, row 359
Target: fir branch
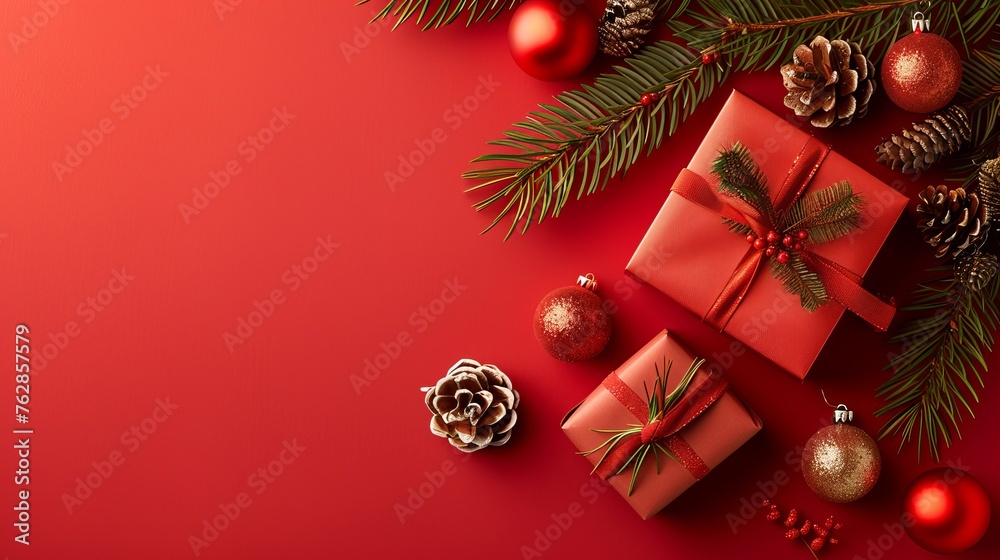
column 599, row 131
column 825, row 214
column 740, row 177
column 447, row 11
column 939, row 363
column 797, row 279
column 981, row 88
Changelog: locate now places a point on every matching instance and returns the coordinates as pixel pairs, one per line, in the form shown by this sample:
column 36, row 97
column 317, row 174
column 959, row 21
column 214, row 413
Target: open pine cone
column 951, row 219
column 624, row 26
column 923, row 144
column 975, row 269
column 830, row 81
column 989, row 185
column 473, row 406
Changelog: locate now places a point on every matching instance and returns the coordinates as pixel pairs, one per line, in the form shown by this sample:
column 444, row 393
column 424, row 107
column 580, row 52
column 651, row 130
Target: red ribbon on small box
column 664, row 428
column 841, row 284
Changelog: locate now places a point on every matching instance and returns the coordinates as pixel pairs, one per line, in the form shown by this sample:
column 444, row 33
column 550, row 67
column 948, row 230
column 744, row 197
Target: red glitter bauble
column 551, row 43
column 946, row 510
column 571, row 323
column 921, row 72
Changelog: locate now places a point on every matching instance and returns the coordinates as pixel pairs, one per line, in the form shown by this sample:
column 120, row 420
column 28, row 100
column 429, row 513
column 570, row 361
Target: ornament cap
column 842, row 414
column 920, row 23
column 587, row 281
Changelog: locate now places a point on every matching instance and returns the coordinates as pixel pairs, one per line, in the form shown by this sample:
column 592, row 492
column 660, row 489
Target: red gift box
column 705, row 258
column 707, row 426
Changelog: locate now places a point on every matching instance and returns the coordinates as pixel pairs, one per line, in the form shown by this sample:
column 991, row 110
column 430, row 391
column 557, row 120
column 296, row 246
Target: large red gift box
column 703, row 255
column 709, row 433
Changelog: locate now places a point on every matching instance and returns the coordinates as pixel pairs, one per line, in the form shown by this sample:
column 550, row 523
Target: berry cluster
column 709, row 58
column 769, row 243
column 821, row 533
column 648, row 98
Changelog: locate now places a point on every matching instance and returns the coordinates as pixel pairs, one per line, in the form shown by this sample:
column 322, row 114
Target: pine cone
column 917, row 148
column 473, row 406
column 989, row 186
column 976, row 269
column 830, row 81
column 624, row 26
column 950, row 219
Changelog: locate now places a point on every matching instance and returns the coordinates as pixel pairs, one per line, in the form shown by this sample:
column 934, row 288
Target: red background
column 356, row 113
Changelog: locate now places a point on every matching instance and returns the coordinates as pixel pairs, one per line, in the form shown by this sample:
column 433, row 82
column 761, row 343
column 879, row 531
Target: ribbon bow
column 781, row 230
column 662, row 416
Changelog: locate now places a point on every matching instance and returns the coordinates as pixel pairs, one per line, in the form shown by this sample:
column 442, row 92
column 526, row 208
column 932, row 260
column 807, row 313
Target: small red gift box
column 707, row 271
column 706, row 425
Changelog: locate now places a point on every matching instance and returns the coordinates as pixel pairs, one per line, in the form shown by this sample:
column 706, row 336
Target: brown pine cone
column 989, row 186
column 976, row 269
column 473, row 406
column 922, row 145
column 830, row 81
column 951, row 219
column 624, row 26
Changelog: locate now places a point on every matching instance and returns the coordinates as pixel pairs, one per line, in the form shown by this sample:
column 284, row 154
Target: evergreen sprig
column 939, row 363
column 825, row 214
column 659, row 403
column 599, row 131
column 981, row 88
column 447, row 11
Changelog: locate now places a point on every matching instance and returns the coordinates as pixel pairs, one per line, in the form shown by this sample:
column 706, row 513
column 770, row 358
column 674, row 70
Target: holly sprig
column 820, row 215
column 659, row 403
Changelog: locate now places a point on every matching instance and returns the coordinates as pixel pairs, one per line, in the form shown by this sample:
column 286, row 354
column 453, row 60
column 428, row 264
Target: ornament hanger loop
column 587, row 282
column 920, row 22
column 841, row 412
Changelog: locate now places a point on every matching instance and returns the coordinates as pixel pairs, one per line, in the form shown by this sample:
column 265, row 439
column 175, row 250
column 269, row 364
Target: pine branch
column 447, row 11
column 981, row 88
column 825, row 214
column 941, row 356
column 599, row 131
column 797, row 279
column 740, row 177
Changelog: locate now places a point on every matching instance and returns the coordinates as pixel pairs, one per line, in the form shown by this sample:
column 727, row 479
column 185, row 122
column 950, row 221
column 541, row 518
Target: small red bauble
column 787, row 240
column 751, row 238
column 772, row 236
column 759, row 244
column 550, row 45
column 571, row 323
column 783, row 257
column 946, row 510
column 921, row 72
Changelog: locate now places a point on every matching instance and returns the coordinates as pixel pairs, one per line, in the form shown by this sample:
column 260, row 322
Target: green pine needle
column 797, row 279
column 939, row 365
column 825, row 214
column 447, row 11
column 659, row 403
column 740, row 177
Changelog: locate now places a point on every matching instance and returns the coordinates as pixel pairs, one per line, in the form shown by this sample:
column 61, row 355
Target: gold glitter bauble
column 841, row 463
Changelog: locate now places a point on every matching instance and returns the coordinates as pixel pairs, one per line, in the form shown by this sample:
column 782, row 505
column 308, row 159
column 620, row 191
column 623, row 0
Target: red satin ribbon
column 692, row 404
column 842, row 285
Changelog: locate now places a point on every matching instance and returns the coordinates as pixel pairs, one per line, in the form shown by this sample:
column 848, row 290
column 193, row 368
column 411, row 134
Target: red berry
column 787, row 240
column 793, row 517
column 829, row 522
column 833, row 541
column 750, row 239
column 770, row 250
column 791, row 534
column 759, row 244
column 706, row 58
column 646, row 99
column 783, row 257
column 837, row 526
column 821, row 531
column 817, row 543
column 765, row 503
column 806, row 527
column 772, row 236
column 773, row 515
column 802, row 234
column 797, row 246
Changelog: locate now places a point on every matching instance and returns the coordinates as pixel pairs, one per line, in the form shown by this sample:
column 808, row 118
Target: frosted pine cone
column 473, row 406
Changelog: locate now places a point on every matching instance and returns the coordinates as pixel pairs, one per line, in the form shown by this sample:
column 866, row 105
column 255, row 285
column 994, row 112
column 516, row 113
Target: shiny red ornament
column 921, row 72
column 550, row 45
column 946, row 510
column 571, row 323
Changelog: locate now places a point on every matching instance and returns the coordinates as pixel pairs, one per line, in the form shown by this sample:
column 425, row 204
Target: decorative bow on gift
column 662, row 416
column 782, row 230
